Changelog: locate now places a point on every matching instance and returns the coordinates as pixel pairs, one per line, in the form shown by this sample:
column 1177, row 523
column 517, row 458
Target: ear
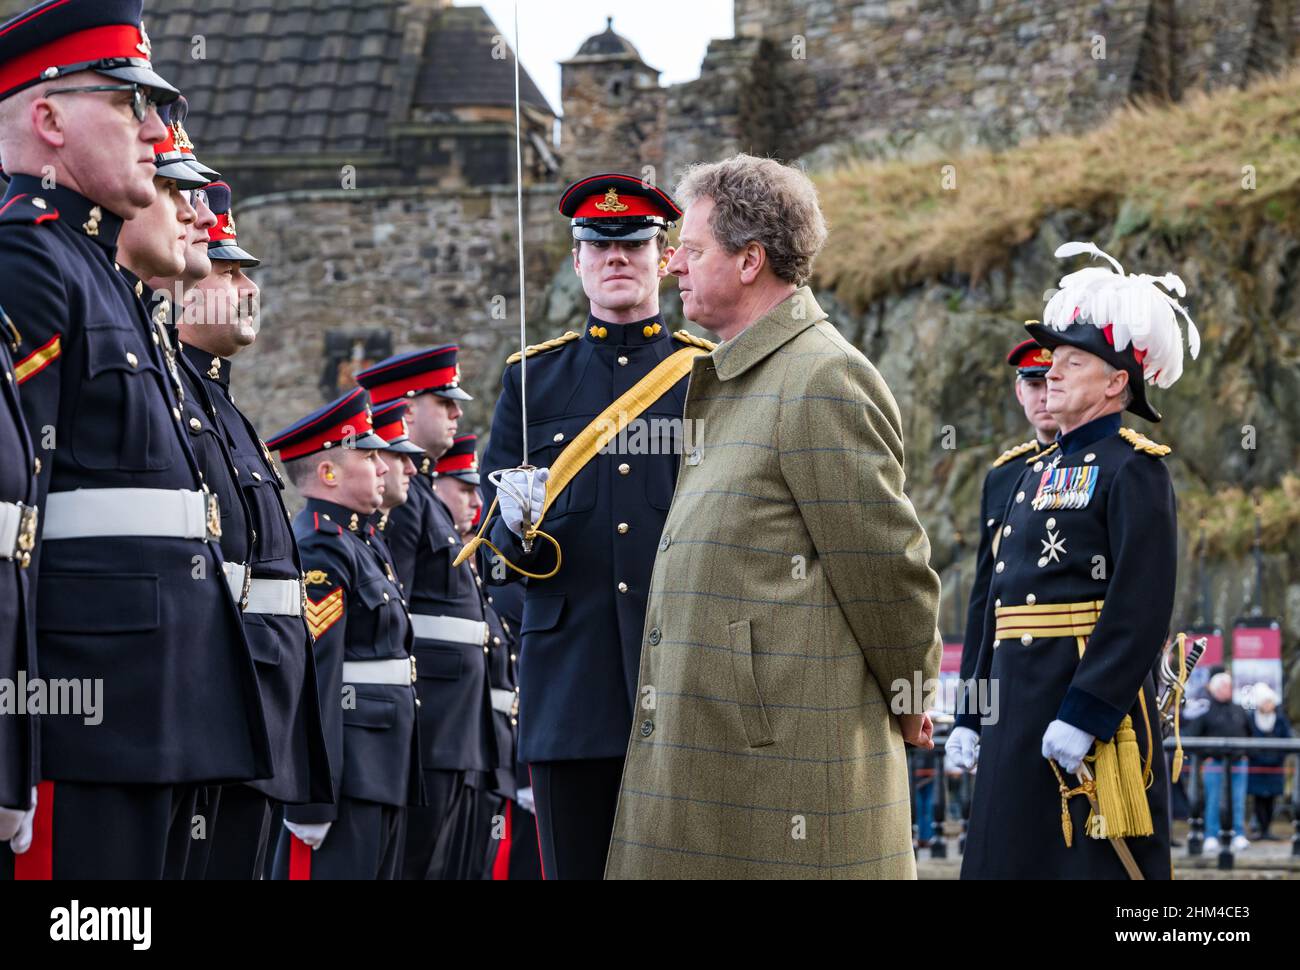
column 576, row 267
column 1020, row 390
column 48, row 122
column 664, row 259
column 752, row 260
column 1118, row 381
column 327, row 474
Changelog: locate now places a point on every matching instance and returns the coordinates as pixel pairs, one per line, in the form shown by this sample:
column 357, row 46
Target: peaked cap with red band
column 60, row 37
column 460, row 460
column 390, row 424
column 345, row 422
column 174, row 116
column 222, row 236
column 617, row 208
column 1030, row 359
column 170, row 160
column 432, row 371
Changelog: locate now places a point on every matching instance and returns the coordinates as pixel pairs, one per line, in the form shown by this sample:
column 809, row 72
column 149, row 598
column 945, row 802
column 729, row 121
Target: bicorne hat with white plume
column 1125, row 319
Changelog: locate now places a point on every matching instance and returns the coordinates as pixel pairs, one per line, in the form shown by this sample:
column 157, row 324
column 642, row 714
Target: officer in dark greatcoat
column 1031, row 363
column 363, row 652
column 131, row 602
column 451, row 633
column 1072, row 780
column 583, row 626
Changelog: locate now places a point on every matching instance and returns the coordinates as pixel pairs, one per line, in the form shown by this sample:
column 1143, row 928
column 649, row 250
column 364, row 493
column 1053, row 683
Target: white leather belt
column 505, row 701
column 276, row 597
column 398, row 672
column 453, row 629
column 17, row 531
column 161, row 513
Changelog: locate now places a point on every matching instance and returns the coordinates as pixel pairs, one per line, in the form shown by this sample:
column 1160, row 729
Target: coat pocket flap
column 371, row 712
column 93, row 603
column 438, row 663
column 541, row 613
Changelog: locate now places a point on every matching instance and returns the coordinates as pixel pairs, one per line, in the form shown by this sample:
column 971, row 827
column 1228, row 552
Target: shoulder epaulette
column 1044, row 453
column 543, row 347
column 686, row 337
column 1142, row 443
column 28, row 210
column 1013, row 453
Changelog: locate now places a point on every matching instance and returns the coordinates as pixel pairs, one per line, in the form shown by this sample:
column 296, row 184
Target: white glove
column 963, row 747
column 16, row 826
column 312, row 835
column 525, row 799
column 514, row 486
column 1066, row 744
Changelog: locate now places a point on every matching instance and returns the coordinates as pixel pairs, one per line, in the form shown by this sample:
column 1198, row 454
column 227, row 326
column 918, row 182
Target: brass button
column 496, row 641
column 559, row 436
column 487, row 649
column 417, row 702
column 990, row 522
column 132, row 359
column 622, row 528
column 176, row 413
column 996, row 644
column 1090, row 457
column 622, row 362
column 256, row 477
column 514, row 657
column 624, row 468
column 1006, row 530
column 622, row 587
column 385, row 597
column 997, row 604
column 194, row 423
column 139, row 289
column 1031, row 599
column 1051, row 523
column 999, row 567
column 1020, row 497
column 1027, row 638
column 1038, row 466
column 39, row 203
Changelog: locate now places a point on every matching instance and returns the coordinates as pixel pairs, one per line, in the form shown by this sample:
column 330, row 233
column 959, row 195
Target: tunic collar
column 604, row 334
column 74, row 209
column 1088, row 434
column 785, row 321
column 212, row 367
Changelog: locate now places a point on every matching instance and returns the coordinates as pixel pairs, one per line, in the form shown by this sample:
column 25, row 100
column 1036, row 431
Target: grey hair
column 760, row 200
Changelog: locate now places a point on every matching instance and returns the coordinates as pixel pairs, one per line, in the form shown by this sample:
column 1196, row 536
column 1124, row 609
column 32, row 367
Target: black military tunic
column 356, row 614
column 456, row 733
column 999, row 485
column 1091, row 520
column 255, row 532
column 18, row 731
column 148, row 617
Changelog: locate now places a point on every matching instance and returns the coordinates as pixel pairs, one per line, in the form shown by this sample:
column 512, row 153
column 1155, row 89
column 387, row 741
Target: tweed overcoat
column 791, row 595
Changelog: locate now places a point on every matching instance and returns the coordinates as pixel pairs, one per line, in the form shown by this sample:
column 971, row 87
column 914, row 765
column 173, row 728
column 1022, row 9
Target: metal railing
column 1197, row 751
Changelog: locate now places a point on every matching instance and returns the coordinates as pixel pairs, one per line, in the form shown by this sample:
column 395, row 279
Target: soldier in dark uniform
column 451, row 633
column 18, row 514
column 1080, row 604
column 582, row 627
column 130, row 594
column 363, row 652
column 1031, row 363
column 401, row 456
column 261, row 564
column 457, row 484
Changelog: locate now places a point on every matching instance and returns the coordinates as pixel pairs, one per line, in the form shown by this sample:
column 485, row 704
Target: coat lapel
column 781, row 324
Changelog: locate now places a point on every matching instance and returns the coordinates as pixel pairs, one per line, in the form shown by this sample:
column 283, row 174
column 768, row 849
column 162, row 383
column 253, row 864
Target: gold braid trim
column 686, row 337
column 1012, row 453
column 543, row 347
column 1142, row 443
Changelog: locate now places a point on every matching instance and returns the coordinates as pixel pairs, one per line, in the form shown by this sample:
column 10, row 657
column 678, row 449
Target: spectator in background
column 1266, row 774
column 1223, row 719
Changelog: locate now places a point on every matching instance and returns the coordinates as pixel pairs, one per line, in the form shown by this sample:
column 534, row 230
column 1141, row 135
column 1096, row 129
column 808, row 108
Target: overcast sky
column 671, row 35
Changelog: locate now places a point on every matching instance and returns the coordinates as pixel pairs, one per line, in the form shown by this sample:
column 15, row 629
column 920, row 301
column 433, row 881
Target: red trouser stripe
column 541, row 856
column 501, row 866
column 299, row 859
column 38, row 861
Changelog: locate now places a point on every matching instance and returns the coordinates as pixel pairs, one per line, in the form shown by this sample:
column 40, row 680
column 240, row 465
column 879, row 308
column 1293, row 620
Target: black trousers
column 364, row 842
column 486, row 832
column 237, row 841
column 437, row 832
column 87, row 831
column 525, row 859
column 575, row 802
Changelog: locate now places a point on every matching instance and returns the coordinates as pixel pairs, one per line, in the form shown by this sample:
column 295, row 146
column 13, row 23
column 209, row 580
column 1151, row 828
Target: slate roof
column 458, row 67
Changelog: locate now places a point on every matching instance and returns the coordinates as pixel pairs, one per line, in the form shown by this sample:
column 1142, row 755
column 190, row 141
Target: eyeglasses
column 197, row 197
column 141, row 102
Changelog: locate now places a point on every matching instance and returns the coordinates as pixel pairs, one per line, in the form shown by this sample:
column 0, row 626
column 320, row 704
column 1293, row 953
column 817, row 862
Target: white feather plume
column 1134, row 305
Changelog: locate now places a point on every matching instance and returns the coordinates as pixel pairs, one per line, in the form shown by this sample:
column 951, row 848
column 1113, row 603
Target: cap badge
column 230, row 223
column 181, row 137
column 144, row 47
column 611, row 203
